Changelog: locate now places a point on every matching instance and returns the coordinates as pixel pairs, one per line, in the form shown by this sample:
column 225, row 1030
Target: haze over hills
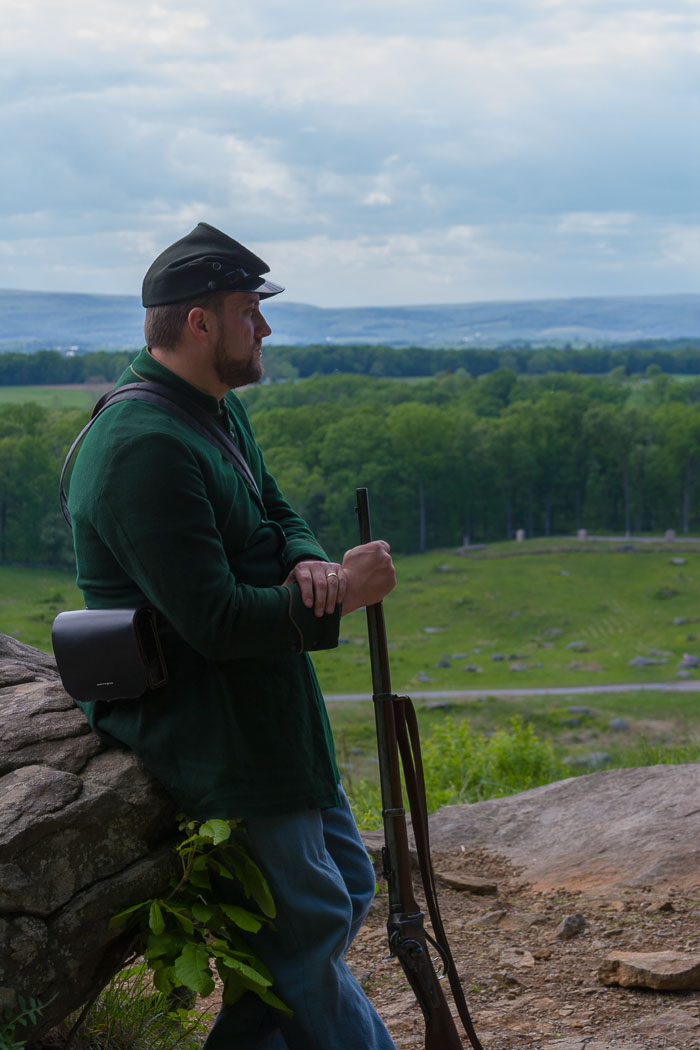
column 54, row 320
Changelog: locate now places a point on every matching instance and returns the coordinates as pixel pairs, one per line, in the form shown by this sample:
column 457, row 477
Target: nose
column 262, row 328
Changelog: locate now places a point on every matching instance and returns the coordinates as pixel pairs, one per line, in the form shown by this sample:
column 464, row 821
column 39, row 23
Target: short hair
column 163, row 324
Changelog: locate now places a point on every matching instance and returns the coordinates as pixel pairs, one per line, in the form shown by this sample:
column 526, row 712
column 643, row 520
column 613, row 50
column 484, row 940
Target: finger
column 306, row 585
column 332, row 587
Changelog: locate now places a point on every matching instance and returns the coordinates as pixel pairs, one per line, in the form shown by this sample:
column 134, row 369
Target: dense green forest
column 676, row 357
column 443, row 457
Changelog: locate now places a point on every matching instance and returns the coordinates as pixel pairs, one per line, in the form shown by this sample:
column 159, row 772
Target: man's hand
column 322, row 584
column 369, row 575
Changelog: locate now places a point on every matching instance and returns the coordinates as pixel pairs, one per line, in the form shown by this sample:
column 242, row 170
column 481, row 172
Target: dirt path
column 529, row 990
column 691, row 686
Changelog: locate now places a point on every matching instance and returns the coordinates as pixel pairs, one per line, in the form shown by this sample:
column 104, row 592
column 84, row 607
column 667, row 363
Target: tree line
column 674, row 357
column 444, row 458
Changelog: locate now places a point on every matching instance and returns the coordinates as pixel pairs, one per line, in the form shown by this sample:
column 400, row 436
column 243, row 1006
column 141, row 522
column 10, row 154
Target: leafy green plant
column 191, row 928
column 30, row 1010
column 461, row 765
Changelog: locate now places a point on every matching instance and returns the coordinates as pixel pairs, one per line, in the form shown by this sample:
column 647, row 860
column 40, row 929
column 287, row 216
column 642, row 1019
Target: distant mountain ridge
column 69, row 320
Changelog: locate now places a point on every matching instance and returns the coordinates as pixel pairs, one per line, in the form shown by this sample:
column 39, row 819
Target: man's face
column 237, row 357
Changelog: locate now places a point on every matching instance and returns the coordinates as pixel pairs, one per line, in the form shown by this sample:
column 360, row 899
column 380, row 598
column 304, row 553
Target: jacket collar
column 146, row 367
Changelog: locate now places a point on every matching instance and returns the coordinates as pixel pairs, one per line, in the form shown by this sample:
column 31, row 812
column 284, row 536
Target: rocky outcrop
column 621, row 827
column 85, row 832
column 594, row 833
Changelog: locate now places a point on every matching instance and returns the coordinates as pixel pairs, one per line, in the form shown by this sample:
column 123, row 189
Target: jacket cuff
column 302, row 550
column 313, row 632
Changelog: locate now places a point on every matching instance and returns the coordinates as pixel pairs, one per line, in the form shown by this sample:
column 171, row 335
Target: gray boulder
column 85, row 832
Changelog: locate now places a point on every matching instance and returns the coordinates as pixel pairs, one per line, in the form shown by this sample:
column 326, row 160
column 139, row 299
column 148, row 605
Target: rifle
column 397, row 736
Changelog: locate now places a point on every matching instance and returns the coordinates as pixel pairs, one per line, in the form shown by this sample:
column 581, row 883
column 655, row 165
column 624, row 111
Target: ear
column 199, row 323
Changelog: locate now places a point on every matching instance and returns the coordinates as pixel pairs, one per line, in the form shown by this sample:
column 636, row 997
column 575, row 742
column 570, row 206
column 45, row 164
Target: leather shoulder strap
column 177, row 405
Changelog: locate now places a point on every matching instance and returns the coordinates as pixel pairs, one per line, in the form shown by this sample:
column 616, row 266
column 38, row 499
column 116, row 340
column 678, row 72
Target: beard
column 235, row 372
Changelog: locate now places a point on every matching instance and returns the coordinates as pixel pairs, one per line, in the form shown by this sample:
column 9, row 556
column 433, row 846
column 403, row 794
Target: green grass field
column 31, row 598
column 535, row 620
column 54, row 397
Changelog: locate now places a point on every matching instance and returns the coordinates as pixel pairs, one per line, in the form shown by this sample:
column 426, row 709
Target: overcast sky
column 384, row 152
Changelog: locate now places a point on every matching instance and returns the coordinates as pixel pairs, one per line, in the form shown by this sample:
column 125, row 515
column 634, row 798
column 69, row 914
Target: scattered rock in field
column 646, row 661
column 444, row 663
column 678, row 621
column 469, row 883
column 677, row 561
column 659, row 652
column 691, row 638
column 472, row 668
column 576, row 665
column 572, row 926
column 683, row 674
column 517, row 957
column 578, row 647
column 490, row 918
column 443, row 568
column 497, row 657
column 423, row 676
column 461, row 656
column 515, row 656
column 476, row 649
column 662, row 971
column 677, row 1023
column 433, row 630
column 578, row 710
column 689, row 661
column 593, row 760
column 618, row 725
column 572, row 723
column 553, row 632
column 519, row 667
column 663, row 907
column 438, row 705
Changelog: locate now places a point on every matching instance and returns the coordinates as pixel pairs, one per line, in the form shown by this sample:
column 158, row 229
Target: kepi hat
column 206, row 260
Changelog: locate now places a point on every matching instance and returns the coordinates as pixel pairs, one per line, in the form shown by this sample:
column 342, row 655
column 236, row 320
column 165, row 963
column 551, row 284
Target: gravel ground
column 528, row 988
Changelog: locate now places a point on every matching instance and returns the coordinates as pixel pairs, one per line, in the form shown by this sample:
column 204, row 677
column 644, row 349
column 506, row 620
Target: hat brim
column 268, row 288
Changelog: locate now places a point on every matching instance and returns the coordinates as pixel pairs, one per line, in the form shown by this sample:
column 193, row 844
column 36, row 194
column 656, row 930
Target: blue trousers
column 322, row 883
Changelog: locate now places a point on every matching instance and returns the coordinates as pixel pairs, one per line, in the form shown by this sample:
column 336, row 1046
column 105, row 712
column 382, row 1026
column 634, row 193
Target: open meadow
column 81, row 395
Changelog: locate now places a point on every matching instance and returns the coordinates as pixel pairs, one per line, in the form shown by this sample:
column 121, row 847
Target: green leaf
column 256, row 887
column 245, row 920
column 200, row 880
column 119, row 920
column 216, row 830
column 155, row 919
column 233, row 986
column 272, row 1000
column 202, row 912
column 163, row 944
column 247, row 973
column 192, row 969
column 181, row 917
column 164, row 979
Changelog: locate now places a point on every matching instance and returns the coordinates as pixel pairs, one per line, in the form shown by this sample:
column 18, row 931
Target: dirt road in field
column 692, row 686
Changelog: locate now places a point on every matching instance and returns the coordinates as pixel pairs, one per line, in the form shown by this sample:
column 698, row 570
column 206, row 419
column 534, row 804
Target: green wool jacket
column 159, row 516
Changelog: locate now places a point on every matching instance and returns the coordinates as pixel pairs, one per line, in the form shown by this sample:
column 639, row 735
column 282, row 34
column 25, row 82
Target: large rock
column 85, row 832
column 590, row 834
column 620, row 827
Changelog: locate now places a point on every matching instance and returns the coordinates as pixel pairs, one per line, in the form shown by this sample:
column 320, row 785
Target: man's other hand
column 369, row 575
column 322, row 584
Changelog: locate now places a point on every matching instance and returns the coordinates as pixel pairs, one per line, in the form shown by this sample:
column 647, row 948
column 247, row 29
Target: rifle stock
column 405, row 925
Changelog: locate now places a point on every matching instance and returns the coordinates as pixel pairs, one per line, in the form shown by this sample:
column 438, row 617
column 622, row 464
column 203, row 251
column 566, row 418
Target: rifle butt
column 440, row 1030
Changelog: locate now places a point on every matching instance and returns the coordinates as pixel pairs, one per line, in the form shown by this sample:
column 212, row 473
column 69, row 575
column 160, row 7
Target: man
column 244, row 591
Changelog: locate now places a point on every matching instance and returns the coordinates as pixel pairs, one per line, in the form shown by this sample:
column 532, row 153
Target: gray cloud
column 340, row 134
